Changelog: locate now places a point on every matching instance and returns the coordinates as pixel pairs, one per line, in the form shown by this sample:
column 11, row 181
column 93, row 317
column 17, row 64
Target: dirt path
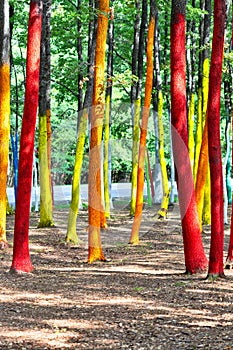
column 140, row 299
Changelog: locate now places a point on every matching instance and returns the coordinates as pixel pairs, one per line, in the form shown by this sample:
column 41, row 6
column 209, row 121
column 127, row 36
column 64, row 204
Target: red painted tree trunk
column 21, row 257
column 195, row 259
column 217, row 221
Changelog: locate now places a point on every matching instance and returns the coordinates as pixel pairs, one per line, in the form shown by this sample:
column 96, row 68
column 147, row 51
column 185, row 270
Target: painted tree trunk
column 199, row 120
column 158, row 106
column 152, row 188
column 198, row 135
column 107, row 123
column 195, row 258
column 107, row 157
column 71, row 235
column 217, row 225
column 149, row 196
column 166, row 192
column 21, row 257
column 14, row 146
column 46, row 201
column 203, row 202
column 206, row 216
column 191, row 86
column 202, row 174
column 134, row 239
column 191, row 142
column 137, row 104
column 135, row 147
column 135, row 112
column 4, row 114
column 95, row 207
column 157, row 169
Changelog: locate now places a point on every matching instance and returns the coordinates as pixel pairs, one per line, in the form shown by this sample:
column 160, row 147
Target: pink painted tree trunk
column 195, row 258
column 21, row 257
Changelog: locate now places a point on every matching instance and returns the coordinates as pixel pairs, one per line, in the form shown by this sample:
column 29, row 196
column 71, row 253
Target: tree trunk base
column 14, row 271
column 215, row 276
column 47, row 223
column 95, row 254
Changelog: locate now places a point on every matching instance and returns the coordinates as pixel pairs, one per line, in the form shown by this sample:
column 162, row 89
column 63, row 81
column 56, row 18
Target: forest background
column 69, row 76
column 130, row 74
column 69, row 23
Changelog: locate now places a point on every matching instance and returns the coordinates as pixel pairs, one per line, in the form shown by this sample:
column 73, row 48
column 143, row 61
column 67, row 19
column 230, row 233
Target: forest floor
column 139, row 299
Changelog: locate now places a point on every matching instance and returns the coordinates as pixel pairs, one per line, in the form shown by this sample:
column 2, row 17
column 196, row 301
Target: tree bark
column 21, row 257
column 215, row 159
column 107, row 123
column 71, row 235
column 46, row 200
column 134, row 239
column 195, row 258
column 137, row 105
column 95, row 207
column 4, row 113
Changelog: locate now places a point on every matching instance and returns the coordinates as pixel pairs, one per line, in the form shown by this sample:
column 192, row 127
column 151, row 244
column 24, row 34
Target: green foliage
column 66, row 67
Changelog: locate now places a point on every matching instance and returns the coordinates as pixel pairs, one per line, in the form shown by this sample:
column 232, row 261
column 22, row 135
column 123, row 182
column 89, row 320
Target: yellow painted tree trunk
column 95, row 206
column 201, row 174
column 136, row 133
column 46, row 198
column 4, row 115
column 71, row 235
column 49, row 133
column 166, row 192
column 191, row 142
column 206, row 216
column 46, row 203
column 134, row 239
column 202, row 186
column 9, row 209
column 198, row 136
column 106, row 157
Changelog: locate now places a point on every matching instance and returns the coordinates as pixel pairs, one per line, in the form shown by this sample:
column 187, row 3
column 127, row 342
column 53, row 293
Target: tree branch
column 121, row 57
column 65, row 86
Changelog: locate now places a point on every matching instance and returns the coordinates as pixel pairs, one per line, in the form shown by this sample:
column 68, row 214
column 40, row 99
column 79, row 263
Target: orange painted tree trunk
column 134, row 239
column 4, row 113
column 95, row 207
column 216, row 178
column 21, row 257
column 195, row 258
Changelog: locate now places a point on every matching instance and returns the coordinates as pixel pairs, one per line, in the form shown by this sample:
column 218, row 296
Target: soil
column 139, row 299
